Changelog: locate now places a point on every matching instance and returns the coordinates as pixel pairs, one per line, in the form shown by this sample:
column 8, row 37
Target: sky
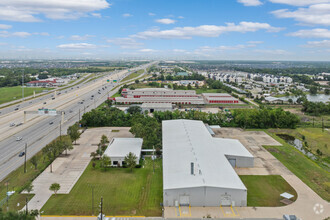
column 165, row 29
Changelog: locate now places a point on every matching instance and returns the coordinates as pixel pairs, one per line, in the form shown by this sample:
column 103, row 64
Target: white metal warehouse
column 119, row 148
column 198, row 169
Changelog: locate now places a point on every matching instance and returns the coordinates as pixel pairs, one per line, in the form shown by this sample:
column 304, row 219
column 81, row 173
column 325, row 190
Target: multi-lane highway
column 40, row 130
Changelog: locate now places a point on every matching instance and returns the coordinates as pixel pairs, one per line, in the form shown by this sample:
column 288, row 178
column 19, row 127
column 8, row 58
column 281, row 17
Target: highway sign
column 45, row 111
column 108, row 80
column 114, row 80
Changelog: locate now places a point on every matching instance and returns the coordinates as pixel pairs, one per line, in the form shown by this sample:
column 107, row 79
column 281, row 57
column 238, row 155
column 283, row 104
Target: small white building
column 119, row 148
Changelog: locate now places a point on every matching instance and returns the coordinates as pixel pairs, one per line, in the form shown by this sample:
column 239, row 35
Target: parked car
column 11, row 124
column 21, row 154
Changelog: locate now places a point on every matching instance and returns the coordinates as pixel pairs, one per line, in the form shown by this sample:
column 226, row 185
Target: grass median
column 137, row 193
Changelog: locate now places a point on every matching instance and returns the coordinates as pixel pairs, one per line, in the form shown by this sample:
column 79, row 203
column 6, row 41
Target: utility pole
column 153, row 158
column 60, row 131
column 313, row 122
column 26, row 206
column 322, row 125
column 79, row 114
column 23, row 86
column 25, row 158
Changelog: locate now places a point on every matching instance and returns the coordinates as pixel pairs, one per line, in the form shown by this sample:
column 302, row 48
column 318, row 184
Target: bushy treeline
column 193, row 76
column 149, row 128
column 316, row 108
column 264, row 118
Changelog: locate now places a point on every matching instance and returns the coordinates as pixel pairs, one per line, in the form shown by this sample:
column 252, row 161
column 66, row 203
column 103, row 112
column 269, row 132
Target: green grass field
column 317, row 178
column 133, row 75
column 266, row 190
column 124, row 193
column 9, row 93
column 315, row 137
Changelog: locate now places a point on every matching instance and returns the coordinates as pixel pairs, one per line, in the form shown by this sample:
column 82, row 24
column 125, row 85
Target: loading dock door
column 232, row 162
column 184, row 200
column 225, row 200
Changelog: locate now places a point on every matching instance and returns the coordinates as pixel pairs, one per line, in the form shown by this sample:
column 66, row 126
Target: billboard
column 46, row 111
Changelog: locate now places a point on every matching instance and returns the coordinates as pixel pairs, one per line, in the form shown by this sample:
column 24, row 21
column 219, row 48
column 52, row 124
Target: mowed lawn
column 266, row 190
column 124, row 193
column 317, row 178
column 8, row 93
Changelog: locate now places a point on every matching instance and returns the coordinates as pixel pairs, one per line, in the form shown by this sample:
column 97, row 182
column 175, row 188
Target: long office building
column 162, row 95
column 198, row 170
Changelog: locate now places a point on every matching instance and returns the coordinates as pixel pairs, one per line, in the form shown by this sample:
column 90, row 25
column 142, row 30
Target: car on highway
column 11, row 124
column 19, row 138
column 19, row 124
column 50, row 123
column 16, row 109
column 45, row 103
column 21, row 154
column 70, row 111
column 53, row 98
column 92, row 96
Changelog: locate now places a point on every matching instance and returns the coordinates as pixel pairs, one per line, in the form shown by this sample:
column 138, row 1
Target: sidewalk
column 66, row 169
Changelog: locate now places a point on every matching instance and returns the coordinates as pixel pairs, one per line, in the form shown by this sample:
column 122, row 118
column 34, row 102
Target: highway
column 40, row 130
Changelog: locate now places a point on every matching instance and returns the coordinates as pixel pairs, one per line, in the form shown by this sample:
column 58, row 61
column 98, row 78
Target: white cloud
column 318, row 14
column 318, row 44
column 300, row 2
column 22, row 34
column 181, row 17
column 29, row 11
column 312, row 33
column 255, row 42
column 81, row 38
column 126, row 15
column 151, row 14
column 250, row 2
column 179, row 50
column 147, row 50
column 97, row 15
column 126, row 43
column 205, row 30
column 224, row 48
column 166, row 21
column 5, row 26
column 77, row 46
column 273, row 52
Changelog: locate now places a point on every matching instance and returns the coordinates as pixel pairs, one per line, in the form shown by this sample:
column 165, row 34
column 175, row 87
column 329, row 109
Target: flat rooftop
column 120, row 147
column 187, row 141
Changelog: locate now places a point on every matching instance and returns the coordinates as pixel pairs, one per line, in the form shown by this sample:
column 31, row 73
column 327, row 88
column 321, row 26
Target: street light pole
column 23, row 86
column 92, row 200
column 26, row 206
column 25, row 158
column 101, row 208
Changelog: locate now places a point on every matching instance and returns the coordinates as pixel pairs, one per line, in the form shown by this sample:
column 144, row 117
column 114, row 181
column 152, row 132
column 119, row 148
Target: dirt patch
column 273, row 150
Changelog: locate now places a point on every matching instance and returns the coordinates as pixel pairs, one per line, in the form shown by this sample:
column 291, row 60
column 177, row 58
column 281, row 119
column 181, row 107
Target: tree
column 104, row 140
column 34, row 161
column 134, row 109
column 93, row 155
column 130, row 160
column 105, row 161
column 74, row 133
column 290, row 101
column 313, row 90
column 137, row 81
column 55, row 187
column 65, row 144
column 327, row 91
column 29, row 188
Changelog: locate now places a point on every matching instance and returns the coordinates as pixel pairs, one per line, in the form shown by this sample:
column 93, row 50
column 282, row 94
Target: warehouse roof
column 157, row 105
column 188, row 141
column 120, row 147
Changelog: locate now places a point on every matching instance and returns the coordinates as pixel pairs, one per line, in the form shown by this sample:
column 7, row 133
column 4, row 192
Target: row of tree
column 316, row 108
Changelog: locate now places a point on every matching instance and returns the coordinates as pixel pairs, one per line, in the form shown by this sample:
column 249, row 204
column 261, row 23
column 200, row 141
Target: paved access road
column 40, row 130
